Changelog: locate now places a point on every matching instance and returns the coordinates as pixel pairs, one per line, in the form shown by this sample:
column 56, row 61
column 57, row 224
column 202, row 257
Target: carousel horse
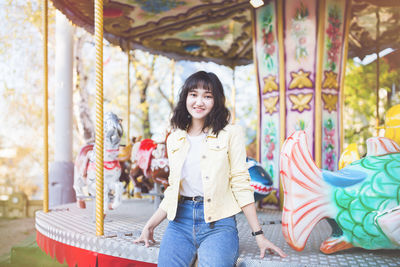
column 124, row 158
column 362, row 198
column 149, row 165
column 85, row 169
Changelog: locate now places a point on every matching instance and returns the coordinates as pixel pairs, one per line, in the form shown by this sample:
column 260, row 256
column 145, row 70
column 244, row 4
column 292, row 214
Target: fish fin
column 334, row 244
column 378, row 146
column 344, row 178
column 389, row 221
column 306, row 194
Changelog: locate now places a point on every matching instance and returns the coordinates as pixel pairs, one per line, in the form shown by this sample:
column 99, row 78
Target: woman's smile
column 199, row 103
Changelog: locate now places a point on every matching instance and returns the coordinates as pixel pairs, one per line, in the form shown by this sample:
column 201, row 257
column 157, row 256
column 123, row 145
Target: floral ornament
column 330, row 101
column 301, row 101
column 300, row 31
column 329, row 145
column 300, row 80
column 333, row 40
column 270, row 104
column 330, row 81
column 268, row 38
column 270, row 145
column 330, row 161
column 270, row 84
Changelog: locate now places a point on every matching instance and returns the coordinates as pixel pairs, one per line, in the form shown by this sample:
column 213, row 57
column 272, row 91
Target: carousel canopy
column 216, row 30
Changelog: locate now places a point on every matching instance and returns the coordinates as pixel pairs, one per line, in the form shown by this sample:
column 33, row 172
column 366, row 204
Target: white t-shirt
column 191, row 182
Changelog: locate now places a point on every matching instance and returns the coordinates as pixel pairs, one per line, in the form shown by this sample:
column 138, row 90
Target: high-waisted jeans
column 216, row 244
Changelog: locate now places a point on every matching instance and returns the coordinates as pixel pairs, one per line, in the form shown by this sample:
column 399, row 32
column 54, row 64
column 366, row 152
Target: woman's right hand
column 145, row 237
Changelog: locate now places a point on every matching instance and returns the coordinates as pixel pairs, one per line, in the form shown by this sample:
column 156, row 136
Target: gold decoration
column 270, row 104
column 330, row 101
column 330, row 80
column 271, row 198
column 300, row 80
column 270, row 84
column 301, row 101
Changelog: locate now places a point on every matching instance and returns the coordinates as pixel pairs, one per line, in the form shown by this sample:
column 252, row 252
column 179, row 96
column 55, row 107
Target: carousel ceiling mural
column 215, row 30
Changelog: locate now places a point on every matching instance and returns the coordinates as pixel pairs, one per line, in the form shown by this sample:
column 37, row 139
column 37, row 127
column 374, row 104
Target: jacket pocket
column 216, row 146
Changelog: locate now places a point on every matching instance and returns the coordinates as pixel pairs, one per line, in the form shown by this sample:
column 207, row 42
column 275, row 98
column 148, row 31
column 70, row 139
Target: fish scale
column 361, row 201
column 359, row 204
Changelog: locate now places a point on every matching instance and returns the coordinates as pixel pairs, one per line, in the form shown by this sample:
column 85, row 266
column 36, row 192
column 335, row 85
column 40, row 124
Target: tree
column 360, row 98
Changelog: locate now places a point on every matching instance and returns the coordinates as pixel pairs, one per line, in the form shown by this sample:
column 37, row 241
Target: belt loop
column 212, row 225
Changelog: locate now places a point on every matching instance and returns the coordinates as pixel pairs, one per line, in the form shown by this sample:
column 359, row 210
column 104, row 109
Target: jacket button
column 207, row 177
column 204, row 156
column 218, row 147
column 209, row 200
column 209, row 218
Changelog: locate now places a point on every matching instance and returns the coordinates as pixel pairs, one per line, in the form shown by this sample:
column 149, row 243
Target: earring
column 189, row 116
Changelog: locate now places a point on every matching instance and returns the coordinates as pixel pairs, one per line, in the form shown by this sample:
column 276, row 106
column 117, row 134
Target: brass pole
column 253, row 25
column 128, row 121
column 377, row 70
column 318, row 84
column 233, row 100
column 173, row 82
column 282, row 88
column 344, row 61
column 98, row 35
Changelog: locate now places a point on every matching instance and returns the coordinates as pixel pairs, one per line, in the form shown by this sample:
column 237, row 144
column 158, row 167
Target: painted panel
column 334, row 28
column 268, row 75
column 300, row 58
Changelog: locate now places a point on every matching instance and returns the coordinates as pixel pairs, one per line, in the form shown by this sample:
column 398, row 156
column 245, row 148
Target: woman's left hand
column 264, row 244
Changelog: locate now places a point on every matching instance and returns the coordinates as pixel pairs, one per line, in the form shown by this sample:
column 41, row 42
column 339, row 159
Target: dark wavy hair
column 219, row 115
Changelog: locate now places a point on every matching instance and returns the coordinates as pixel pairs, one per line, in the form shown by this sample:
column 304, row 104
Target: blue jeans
column 189, row 234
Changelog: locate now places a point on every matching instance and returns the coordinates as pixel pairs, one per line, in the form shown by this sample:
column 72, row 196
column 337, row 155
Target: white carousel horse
column 85, row 169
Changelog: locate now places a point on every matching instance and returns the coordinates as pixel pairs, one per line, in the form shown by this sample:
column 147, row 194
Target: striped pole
column 98, row 35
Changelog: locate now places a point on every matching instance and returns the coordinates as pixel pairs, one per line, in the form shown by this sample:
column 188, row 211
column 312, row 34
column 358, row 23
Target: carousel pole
column 98, row 35
column 255, row 58
column 172, row 82
column 128, row 121
column 377, row 71
column 45, row 110
column 344, row 61
column 282, row 88
column 318, row 83
column 233, row 101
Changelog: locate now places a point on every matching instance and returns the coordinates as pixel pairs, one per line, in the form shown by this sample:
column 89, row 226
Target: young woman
column 209, row 182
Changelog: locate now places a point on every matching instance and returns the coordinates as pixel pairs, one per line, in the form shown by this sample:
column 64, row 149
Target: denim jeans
column 188, row 234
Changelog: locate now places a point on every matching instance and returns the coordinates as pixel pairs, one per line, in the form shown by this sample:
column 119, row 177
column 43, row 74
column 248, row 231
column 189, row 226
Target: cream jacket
column 226, row 180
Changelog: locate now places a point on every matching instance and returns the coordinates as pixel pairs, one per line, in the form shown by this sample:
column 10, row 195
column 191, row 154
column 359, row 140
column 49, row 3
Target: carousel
column 326, row 205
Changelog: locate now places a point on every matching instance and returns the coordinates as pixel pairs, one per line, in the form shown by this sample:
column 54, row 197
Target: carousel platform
column 69, row 234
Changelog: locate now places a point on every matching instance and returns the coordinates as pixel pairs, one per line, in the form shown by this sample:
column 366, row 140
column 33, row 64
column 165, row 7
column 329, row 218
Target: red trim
column 82, row 257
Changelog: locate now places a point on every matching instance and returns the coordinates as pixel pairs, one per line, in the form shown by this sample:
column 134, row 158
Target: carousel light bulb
column 256, row 3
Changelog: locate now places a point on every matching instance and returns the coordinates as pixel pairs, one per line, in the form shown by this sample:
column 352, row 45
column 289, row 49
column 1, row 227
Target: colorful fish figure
column 260, row 179
column 363, row 198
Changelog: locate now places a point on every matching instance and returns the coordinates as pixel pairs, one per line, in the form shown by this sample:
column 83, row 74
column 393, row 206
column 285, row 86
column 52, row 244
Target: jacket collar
column 181, row 134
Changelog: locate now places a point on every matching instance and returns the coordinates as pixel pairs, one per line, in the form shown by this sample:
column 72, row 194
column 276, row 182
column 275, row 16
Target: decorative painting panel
column 266, row 46
column 334, row 35
column 300, row 59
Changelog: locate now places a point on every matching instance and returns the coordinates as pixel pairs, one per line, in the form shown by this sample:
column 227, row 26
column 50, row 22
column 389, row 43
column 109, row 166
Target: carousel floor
column 76, row 227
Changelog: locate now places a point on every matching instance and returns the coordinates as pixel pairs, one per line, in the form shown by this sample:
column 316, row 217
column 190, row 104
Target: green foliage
column 360, row 99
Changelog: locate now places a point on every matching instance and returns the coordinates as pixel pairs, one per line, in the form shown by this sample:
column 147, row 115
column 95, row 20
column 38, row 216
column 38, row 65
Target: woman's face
column 199, row 103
